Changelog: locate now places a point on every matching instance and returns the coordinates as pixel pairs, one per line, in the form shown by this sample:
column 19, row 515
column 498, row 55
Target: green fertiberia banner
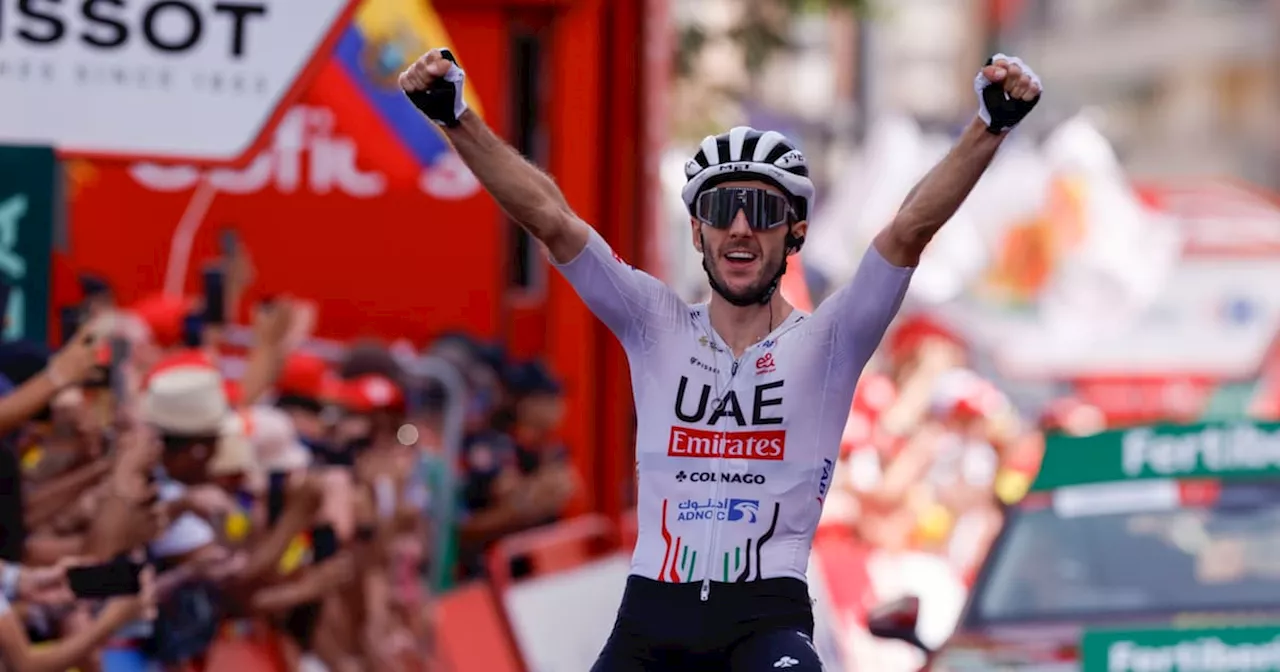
column 1242, row 649
column 27, row 210
column 1212, row 450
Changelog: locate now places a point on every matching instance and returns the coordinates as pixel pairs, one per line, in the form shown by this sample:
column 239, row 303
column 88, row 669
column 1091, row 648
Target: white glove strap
column 458, row 77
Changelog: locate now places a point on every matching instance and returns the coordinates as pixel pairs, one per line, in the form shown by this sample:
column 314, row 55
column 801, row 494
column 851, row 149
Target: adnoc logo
column 744, row 508
column 729, row 510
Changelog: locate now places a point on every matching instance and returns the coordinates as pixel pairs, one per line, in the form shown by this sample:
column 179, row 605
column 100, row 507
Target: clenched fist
column 1007, row 91
column 434, row 84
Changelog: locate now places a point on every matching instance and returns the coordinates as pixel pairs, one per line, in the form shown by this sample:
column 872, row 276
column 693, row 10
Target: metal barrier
column 564, row 545
column 442, row 510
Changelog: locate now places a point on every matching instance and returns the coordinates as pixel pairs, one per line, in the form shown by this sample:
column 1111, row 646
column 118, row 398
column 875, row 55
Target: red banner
column 357, row 202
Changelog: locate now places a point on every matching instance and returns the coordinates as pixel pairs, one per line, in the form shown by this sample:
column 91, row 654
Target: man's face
column 189, row 464
column 743, row 260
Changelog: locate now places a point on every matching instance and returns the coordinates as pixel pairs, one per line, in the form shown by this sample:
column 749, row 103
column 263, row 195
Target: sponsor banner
column 1133, row 400
column 1241, row 649
column 28, row 177
column 348, row 199
column 191, row 79
column 1220, row 450
column 760, row 445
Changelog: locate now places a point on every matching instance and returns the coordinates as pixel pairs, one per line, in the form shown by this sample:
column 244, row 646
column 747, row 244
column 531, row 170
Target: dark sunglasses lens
column 709, row 209
column 773, row 210
column 763, row 209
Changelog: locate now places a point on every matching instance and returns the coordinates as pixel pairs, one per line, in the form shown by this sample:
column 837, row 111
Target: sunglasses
column 764, row 209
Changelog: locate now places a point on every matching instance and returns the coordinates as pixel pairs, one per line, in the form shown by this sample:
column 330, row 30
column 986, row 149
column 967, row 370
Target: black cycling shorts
column 763, row 626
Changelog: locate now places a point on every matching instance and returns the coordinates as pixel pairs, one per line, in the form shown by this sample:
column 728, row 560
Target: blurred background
column 1116, row 266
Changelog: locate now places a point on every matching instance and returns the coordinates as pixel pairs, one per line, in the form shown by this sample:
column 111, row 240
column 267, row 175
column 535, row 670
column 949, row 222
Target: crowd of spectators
column 171, row 500
column 931, row 453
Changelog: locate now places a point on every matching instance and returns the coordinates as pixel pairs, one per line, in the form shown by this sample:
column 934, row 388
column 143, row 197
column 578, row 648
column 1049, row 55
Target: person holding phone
column 36, row 377
column 20, row 656
column 40, row 375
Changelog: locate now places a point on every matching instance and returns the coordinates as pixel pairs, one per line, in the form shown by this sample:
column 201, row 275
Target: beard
column 754, row 291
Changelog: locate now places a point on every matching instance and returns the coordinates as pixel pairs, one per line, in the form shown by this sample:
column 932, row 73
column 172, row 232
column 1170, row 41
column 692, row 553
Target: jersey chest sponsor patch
column 703, row 443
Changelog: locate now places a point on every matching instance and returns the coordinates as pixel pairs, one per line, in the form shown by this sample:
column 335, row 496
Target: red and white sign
column 759, row 445
column 193, row 80
column 1137, row 399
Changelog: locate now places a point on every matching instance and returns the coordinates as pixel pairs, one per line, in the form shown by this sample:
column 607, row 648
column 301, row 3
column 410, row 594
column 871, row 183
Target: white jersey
column 734, row 456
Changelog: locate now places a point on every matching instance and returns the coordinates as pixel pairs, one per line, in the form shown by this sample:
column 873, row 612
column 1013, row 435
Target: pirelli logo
column 760, row 445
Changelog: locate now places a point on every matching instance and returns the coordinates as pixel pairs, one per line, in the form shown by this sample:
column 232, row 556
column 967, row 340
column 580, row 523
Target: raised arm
column 629, row 301
column 1007, row 90
column 434, row 84
column 863, row 309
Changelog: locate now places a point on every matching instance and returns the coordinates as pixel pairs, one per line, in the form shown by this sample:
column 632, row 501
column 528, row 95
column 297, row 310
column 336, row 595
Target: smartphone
column 324, row 543
column 275, row 495
column 215, row 296
column 193, row 330
column 69, row 319
column 107, row 580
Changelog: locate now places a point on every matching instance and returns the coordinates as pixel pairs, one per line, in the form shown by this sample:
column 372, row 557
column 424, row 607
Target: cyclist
column 741, row 401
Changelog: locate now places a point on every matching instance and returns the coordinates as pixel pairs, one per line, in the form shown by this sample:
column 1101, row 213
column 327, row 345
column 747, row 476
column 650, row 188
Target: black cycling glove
column 442, row 101
column 995, row 107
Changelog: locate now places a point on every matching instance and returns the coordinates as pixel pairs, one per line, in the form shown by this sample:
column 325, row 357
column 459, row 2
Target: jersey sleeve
column 861, row 311
column 629, row 301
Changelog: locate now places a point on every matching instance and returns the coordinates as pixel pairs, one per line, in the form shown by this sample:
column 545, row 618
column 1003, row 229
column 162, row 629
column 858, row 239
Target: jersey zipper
column 718, row 468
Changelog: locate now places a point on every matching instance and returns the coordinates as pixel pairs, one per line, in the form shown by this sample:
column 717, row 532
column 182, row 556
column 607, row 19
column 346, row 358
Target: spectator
column 40, row 376
column 481, row 366
column 185, row 404
column 542, row 460
column 519, row 480
column 390, row 502
column 305, row 387
column 20, row 656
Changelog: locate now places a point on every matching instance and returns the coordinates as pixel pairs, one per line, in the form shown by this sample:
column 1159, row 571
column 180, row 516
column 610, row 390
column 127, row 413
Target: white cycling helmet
column 745, row 153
